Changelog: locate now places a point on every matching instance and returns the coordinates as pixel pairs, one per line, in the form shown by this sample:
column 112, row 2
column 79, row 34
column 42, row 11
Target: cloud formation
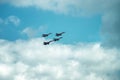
column 10, row 20
column 31, row 60
column 31, row 32
column 111, row 28
column 68, row 6
column 1, row 20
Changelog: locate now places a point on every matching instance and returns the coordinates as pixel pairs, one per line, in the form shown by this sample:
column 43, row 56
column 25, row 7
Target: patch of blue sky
column 77, row 28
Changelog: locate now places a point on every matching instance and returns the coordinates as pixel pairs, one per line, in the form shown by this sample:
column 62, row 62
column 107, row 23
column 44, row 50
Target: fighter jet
column 59, row 34
column 45, row 35
column 57, row 39
column 47, row 43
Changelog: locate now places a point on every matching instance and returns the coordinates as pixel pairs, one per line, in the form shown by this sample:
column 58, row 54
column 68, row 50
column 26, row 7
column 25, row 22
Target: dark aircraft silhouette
column 59, row 34
column 45, row 35
column 47, row 43
column 57, row 39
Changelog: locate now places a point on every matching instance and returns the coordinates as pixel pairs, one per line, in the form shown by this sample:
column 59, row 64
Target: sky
column 77, row 28
column 89, row 50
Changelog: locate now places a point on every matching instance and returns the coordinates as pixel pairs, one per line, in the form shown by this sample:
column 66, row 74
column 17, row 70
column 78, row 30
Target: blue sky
column 77, row 28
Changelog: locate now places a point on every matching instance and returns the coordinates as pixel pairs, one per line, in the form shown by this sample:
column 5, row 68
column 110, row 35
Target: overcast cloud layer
column 31, row 60
column 108, row 9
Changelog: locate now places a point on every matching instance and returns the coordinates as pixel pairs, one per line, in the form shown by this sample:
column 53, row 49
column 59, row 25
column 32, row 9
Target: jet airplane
column 45, row 35
column 57, row 39
column 59, row 34
column 47, row 43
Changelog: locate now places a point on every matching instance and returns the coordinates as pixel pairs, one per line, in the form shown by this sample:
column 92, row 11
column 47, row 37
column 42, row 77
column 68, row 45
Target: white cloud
column 5, row 70
column 31, row 60
column 13, row 19
column 67, row 6
column 1, row 20
column 31, row 32
column 10, row 20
